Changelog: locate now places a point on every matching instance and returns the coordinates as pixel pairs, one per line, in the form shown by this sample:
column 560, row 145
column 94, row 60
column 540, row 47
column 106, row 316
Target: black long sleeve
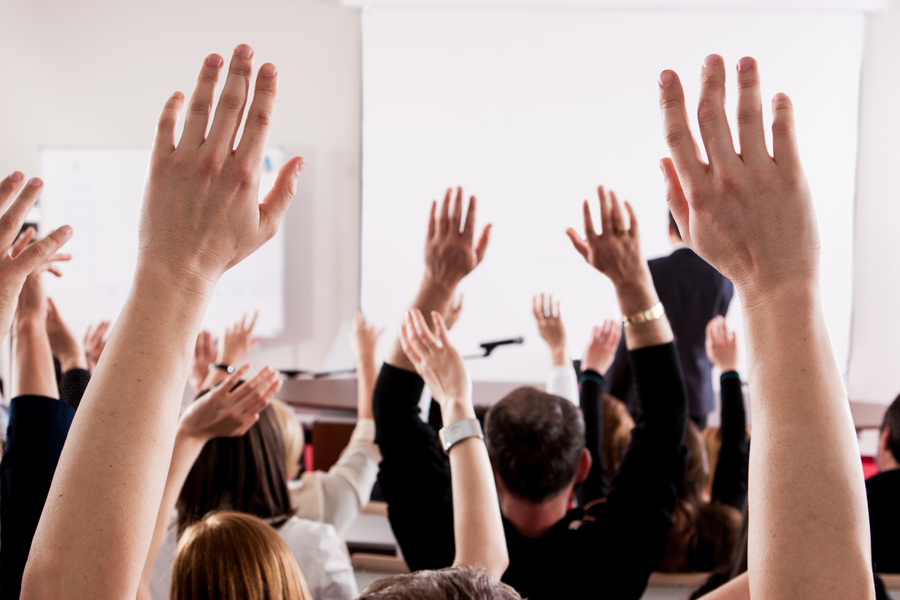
column 72, row 385
column 596, row 486
column 413, row 476
column 730, row 479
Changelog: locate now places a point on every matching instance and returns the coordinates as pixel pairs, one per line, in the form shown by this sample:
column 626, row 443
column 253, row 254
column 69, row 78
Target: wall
column 97, row 73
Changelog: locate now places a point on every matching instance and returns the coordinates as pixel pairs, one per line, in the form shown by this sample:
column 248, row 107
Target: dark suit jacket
column 692, row 293
column 883, row 492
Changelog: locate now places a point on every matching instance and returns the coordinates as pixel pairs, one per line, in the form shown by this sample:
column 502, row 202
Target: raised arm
column 477, row 525
column 751, row 216
column 200, row 216
column 561, row 379
column 235, row 344
column 69, row 351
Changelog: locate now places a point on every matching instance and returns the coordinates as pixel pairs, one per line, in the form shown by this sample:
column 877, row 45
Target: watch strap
column 458, row 431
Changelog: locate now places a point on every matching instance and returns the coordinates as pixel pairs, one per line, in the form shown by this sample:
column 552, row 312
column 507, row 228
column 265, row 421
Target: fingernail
column 662, row 170
column 268, row 70
column 214, row 60
column 178, row 96
column 244, row 51
column 711, row 60
column 666, row 77
column 16, row 176
column 36, row 182
column 745, row 64
column 300, row 164
column 66, row 229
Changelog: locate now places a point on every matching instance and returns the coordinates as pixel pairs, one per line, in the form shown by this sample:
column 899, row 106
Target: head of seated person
column 888, row 457
column 536, row 444
column 235, row 556
column 617, row 426
column 246, row 474
column 452, row 582
column 704, row 534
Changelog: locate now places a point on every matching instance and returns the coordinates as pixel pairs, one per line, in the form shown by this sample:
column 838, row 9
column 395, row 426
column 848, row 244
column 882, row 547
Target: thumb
column 276, row 202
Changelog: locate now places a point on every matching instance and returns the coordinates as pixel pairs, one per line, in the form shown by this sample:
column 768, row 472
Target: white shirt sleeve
column 562, row 382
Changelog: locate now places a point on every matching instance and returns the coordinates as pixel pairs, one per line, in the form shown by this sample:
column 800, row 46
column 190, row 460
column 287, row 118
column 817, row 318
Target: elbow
column 498, row 566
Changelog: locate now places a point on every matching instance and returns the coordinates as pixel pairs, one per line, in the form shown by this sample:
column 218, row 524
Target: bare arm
column 364, row 339
column 235, row 344
column 751, row 216
column 477, row 524
column 200, row 216
column 34, row 374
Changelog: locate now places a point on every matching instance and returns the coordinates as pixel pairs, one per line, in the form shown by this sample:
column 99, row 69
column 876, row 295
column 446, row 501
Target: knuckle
column 707, row 111
column 261, row 118
column 241, row 69
column 670, row 102
column 674, row 136
column 208, row 78
column 208, row 163
column 232, row 102
column 748, row 117
column 200, row 108
column 166, row 123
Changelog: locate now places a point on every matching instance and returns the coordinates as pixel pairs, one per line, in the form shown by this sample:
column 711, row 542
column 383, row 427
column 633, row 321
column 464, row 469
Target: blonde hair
column 292, row 433
column 235, row 556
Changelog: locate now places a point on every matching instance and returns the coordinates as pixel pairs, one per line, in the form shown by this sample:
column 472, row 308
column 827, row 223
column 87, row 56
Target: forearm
column 34, row 371
column 730, row 478
column 597, row 484
column 477, row 524
column 432, row 295
column 805, row 520
column 106, row 496
column 562, row 382
column 635, row 295
column 72, row 360
column 184, row 455
column 366, row 375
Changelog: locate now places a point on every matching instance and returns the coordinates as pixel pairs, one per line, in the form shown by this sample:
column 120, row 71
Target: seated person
column 617, row 426
column 883, row 493
column 617, row 542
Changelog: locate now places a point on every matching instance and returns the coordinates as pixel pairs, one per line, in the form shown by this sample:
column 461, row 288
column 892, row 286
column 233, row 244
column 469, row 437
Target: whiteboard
column 531, row 109
column 98, row 192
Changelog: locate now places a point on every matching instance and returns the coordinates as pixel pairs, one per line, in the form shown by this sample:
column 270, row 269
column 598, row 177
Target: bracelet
column 591, row 377
column 729, row 375
column 222, row 367
column 653, row 313
column 458, row 431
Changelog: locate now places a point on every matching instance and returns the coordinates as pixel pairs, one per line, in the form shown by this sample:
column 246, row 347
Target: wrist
column 184, row 282
column 70, row 361
column 637, row 293
column 558, row 357
column 187, row 434
column 438, row 286
column 456, row 409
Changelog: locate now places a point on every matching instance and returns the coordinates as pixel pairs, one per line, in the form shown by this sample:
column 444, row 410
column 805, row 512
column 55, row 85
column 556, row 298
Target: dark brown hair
column 703, row 534
column 892, row 421
column 445, row 584
column 535, row 442
column 235, row 556
column 245, row 474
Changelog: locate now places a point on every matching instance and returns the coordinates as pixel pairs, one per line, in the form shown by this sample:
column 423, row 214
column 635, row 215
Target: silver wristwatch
column 461, row 430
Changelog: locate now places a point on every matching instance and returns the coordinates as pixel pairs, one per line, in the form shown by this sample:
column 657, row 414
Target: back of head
column 453, row 583
column 292, row 433
column 235, row 556
column 245, row 474
column 617, row 426
column 535, row 441
column 892, row 422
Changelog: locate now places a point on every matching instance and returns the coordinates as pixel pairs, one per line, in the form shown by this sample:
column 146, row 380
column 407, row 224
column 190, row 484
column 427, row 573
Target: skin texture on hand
column 721, row 345
column 65, row 346
column 601, row 347
column 204, row 356
column 750, row 215
column 95, row 342
column 201, row 214
column 550, row 326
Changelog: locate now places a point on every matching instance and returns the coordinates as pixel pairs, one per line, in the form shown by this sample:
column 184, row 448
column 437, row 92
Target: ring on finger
column 620, row 231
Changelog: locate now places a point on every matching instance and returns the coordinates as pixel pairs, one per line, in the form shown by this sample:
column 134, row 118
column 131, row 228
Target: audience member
column 692, row 292
column 70, row 355
column 617, row 426
column 883, row 493
column 562, row 379
column 95, row 342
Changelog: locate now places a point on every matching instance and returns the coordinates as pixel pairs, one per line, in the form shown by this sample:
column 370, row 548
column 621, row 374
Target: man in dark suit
column 883, row 492
column 692, row 292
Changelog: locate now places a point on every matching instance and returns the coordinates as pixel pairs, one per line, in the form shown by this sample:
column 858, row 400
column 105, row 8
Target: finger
column 441, row 328
column 677, row 201
column 456, row 218
column 615, row 212
column 711, row 115
column 422, row 329
column 232, row 380
column 469, row 227
column 431, row 223
column 252, row 147
column 615, row 333
column 38, row 252
column 54, row 271
column 784, row 141
column 751, row 135
column 580, row 246
column 232, row 101
column 677, row 131
column 52, row 313
column 605, row 210
column 277, row 201
column 589, row 231
column 606, row 329
column 554, row 306
column 21, row 243
column 444, row 222
column 481, row 246
column 196, row 120
column 12, row 219
column 537, row 307
column 252, row 324
column 410, row 348
column 632, row 221
column 8, row 188
column 164, row 141
column 251, row 390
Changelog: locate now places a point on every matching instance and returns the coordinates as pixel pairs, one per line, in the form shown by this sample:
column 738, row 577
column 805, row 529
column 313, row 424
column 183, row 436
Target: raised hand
column 616, row 250
column 435, row 359
column 195, row 242
column 32, row 304
column 750, row 215
column 450, row 252
column 28, row 261
column 364, row 340
column 65, row 346
column 237, row 341
column 204, row 356
column 95, row 342
column 227, row 412
column 601, row 347
column 550, row 326
column 721, row 345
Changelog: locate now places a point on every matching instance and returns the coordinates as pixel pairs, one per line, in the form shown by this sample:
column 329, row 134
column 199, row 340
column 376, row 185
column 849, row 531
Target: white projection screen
column 531, row 109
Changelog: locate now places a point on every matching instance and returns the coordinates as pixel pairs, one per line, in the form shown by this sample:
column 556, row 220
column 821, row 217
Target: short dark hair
column 673, row 225
column 245, row 474
column 892, row 422
column 535, row 441
column 452, row 582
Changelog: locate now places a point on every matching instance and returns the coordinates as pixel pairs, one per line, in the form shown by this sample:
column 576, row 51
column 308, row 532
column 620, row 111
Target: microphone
column 489, row 347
